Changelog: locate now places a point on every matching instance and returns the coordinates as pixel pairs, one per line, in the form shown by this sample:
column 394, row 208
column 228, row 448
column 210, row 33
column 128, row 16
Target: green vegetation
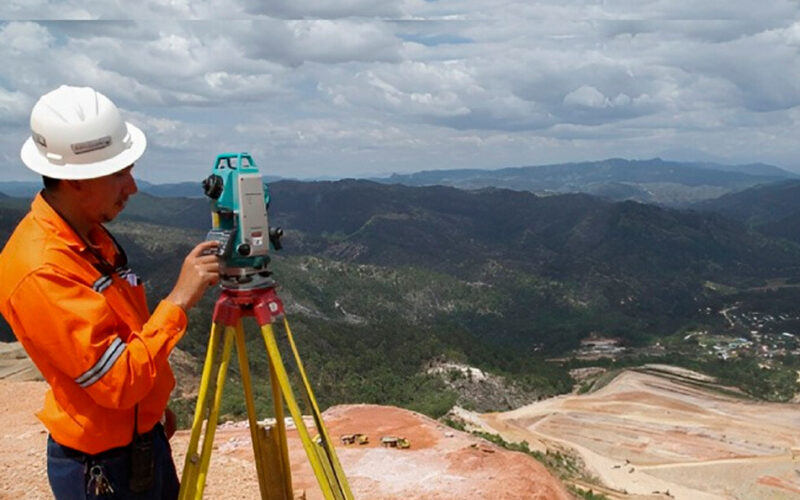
column 563, row 465
column 777, row 381
column 588, row 494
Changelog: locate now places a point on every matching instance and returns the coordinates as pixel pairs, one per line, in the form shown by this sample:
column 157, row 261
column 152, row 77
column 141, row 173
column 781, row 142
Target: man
column 80, row 312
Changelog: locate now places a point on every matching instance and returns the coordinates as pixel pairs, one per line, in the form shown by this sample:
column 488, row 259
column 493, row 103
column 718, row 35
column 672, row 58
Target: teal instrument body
column 229, row 166
column 239, row 204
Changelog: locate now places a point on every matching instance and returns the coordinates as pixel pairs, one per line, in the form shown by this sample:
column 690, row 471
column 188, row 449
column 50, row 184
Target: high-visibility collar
column 108, row 249
column 49, row 218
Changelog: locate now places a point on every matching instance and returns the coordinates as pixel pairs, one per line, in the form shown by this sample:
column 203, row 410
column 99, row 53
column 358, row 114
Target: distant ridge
column 19, row 189
column 758, row 205
column 174, row 189
column 649, row 181
column 773, row 209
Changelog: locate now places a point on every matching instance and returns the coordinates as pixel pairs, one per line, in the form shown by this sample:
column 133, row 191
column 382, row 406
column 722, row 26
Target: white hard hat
column 78, row 133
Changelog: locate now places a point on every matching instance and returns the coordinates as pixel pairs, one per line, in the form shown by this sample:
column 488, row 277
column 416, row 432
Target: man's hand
column 199, row 271
column 169, row 422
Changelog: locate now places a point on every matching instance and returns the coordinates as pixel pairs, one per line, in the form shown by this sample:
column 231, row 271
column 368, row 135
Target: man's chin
column 110, row 215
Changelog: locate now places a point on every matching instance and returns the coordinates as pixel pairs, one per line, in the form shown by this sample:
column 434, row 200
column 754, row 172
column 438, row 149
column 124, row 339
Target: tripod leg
column 272, row 465
column 189, row 476
column 322, row 442
column 280, row 426
column 244, row 368
column 327, row 444
column 213, row 415
column 329, row 490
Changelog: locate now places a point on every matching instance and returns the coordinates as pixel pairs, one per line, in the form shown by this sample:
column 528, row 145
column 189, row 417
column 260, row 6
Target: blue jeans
column 69, row 471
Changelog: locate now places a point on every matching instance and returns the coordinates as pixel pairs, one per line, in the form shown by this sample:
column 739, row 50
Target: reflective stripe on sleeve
column 101, row 284
column 102, row 366
column 128, row 275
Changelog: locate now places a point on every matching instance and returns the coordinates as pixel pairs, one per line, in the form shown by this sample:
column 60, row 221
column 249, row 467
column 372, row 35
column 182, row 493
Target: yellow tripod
column 269, row 442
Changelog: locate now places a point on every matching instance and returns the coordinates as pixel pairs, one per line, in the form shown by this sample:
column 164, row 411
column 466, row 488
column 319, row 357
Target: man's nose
column 131, row 186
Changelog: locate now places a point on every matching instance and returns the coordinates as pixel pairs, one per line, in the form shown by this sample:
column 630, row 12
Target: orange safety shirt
column 89, row 333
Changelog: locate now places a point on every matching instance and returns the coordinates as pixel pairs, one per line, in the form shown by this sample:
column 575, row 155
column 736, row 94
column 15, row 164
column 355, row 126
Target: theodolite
column 240, row 202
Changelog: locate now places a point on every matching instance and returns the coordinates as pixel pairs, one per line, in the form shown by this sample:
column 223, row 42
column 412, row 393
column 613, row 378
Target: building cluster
column 761, row 335
column 595, row 347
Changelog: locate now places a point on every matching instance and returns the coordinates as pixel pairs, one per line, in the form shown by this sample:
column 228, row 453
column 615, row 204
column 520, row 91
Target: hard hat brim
column 36, row 161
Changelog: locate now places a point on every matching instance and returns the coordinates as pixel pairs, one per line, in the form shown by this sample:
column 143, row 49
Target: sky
column 367, row 88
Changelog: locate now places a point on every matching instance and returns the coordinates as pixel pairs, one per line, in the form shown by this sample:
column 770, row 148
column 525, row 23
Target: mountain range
column 653, row 181
column 379, row 279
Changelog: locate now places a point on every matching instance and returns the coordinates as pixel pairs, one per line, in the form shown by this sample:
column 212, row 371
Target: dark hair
column 49, row 182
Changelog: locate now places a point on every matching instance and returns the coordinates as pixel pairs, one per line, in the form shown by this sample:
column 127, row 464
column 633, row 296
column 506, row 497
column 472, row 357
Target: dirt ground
column 648, row 434
column 441, row 464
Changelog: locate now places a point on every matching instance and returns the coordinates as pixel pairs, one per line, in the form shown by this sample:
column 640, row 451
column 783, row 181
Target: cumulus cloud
column 14, row 107
column 409, row 88
column 365, row 85
column 325, row 9
column 331, row 42
column 76, row 10
column 587, row 96
column 198, row 9
column 19, row 39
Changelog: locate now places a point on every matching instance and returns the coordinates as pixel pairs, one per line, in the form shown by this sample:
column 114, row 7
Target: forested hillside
column 382, row 280
column 773, row 209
